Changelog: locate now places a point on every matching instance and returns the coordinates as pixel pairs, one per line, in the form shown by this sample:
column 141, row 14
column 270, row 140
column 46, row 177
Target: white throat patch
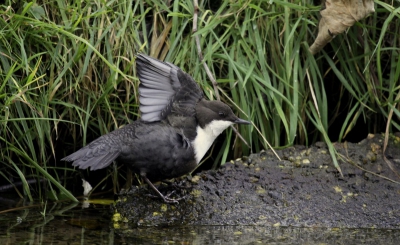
column 206, row 136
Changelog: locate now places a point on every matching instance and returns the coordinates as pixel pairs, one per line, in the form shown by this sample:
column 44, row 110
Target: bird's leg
column 165, row 198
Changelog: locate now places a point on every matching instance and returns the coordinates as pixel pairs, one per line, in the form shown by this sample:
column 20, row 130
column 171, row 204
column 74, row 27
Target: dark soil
column 304, row 189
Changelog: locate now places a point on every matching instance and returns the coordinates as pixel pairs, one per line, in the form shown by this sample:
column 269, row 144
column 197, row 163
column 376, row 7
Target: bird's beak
column 241, row 121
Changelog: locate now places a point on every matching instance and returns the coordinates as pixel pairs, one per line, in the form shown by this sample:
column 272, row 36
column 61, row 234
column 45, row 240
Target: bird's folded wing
column 164, row 89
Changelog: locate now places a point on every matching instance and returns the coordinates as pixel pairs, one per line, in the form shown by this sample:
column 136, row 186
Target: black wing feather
column 164, row 89
column 98, row 154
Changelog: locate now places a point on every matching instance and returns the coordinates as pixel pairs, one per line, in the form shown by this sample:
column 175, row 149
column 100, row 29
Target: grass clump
column 68, row 75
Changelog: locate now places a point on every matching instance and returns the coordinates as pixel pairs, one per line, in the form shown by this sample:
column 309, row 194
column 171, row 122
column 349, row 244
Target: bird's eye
column 221, row 113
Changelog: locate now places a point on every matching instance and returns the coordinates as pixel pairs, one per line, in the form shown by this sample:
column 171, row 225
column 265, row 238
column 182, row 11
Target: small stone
column 195, row 179
column 260, row 190
column 337, row 188
column 164, row 208
column 253, row 179
column 262, row 217
column 196, row 193
column 116, row 217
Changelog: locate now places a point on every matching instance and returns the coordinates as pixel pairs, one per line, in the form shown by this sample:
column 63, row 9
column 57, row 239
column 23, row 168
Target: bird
column 176, row 128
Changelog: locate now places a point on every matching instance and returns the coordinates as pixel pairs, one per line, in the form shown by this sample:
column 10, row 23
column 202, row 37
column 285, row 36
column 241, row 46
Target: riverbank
column 304, row 189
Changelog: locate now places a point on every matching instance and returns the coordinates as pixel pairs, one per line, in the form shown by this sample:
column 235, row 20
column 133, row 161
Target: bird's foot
column 181, row 185
column 167, row 198
column 175, row 199
column 177, row 185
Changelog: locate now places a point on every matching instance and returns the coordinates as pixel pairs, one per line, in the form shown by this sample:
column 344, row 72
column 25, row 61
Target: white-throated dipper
column 177, row 127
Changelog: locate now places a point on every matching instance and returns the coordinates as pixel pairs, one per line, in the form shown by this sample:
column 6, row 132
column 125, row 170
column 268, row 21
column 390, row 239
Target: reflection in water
column 260, row 235
column 66, row 223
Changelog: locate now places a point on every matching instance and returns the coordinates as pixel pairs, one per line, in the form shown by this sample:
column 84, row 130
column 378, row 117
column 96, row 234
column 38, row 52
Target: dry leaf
column 337, row 16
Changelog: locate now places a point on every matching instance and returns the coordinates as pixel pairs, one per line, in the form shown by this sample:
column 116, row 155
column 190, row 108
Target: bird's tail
column 96, row 155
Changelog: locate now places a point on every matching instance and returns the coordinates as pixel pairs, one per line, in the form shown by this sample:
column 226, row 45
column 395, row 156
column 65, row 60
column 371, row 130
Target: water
column 71, row 223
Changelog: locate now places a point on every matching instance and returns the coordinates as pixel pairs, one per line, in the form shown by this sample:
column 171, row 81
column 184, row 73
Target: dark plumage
column 176, row 129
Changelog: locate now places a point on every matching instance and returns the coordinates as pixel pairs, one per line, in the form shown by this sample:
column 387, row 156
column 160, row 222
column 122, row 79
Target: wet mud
column 304, row 189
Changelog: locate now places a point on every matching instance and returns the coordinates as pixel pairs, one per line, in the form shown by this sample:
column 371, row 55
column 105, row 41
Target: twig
column 197, row 39
column 385, row 143
column 347, row 159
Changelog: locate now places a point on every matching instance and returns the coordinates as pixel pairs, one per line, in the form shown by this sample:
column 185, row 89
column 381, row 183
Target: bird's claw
column 167, row 198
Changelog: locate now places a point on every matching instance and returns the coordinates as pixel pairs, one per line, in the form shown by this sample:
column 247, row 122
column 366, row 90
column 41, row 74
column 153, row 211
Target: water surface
column 74, row 223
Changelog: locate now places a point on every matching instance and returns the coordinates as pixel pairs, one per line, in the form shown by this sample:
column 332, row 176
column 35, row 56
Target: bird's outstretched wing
column 165, row 89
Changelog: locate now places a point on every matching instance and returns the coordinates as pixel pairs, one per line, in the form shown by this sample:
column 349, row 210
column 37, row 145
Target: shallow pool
column 75, row 223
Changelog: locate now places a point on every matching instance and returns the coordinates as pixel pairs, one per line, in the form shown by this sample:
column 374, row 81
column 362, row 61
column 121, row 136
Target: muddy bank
column 302, row 190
